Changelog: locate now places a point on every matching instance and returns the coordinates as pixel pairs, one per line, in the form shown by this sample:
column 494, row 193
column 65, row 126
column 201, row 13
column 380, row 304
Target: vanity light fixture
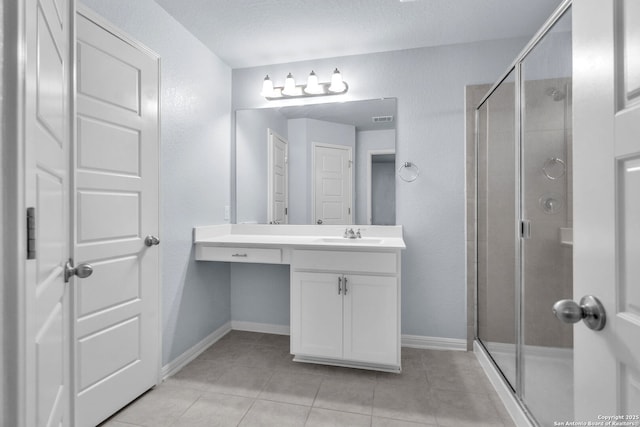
column 267, row 87
column 312, row 87
column 337, row 86
column 290, row 88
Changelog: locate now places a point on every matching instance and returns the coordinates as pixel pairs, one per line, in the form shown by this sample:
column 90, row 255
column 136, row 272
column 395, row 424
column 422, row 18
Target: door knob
column 151, row 241
column 590, row 310
column 82, row 271
column 319, row 222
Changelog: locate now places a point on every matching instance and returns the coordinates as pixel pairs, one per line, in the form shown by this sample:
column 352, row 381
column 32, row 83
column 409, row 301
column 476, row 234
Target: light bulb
column 312, row 87
column 289, row 85
column 267, row 87
column 337, row 85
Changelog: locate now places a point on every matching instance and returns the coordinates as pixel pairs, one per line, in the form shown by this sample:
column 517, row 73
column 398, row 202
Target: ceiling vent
column 382, row 119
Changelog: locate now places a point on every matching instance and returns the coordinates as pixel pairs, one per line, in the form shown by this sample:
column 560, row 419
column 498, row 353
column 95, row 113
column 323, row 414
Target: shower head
column 555, row 94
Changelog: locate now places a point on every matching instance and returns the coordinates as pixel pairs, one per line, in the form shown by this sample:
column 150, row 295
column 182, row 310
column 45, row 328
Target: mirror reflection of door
column 332, row 184
column 278, row 179
column 381, row 187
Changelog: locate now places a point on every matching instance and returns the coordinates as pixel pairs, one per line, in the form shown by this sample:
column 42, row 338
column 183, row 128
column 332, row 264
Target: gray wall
column 256, row 288
column 429, row 85
column 251, row 155
column 195, row 135
column 366, row 141
column 298, row 197
column 383, row 193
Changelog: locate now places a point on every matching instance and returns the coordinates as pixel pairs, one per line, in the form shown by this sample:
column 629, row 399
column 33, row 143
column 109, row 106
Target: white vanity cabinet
column 345, row 292
column 345, row 308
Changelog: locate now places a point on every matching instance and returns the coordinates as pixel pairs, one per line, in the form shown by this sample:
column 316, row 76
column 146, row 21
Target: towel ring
column 554, row 168
column 408, row 172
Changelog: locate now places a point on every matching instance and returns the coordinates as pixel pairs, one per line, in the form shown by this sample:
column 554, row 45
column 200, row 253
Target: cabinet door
column 371, row 319
column 316, row 315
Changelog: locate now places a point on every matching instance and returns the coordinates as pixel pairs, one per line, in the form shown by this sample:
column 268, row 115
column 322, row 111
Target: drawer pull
column 240, row 255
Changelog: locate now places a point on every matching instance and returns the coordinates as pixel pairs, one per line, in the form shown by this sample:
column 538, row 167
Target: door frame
column 13, row 262
column 370, row 155
column 14, row 300
column 349, row 150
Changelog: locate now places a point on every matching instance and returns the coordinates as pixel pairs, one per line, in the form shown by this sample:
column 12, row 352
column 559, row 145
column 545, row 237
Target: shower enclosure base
column 499, row 384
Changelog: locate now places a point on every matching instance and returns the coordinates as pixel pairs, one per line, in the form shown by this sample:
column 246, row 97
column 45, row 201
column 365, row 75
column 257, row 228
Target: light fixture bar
column 310, row 89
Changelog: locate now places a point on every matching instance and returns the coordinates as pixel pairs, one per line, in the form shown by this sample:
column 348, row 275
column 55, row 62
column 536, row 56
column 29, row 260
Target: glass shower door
column 496, row 227
column 546, row 197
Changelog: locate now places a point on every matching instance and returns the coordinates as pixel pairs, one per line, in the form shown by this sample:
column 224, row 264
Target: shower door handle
column 590, row 310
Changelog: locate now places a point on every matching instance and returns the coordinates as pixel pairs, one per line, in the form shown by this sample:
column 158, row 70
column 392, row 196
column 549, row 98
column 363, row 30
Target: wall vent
column 382, row 119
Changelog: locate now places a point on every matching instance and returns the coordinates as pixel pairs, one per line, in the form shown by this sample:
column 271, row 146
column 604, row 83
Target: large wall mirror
column 330, row 163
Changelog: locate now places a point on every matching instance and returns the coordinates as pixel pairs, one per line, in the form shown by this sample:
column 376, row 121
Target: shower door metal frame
column 516, row 67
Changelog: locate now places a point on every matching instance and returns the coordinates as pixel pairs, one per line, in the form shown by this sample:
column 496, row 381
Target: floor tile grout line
column 253, row 401
column 189, row 407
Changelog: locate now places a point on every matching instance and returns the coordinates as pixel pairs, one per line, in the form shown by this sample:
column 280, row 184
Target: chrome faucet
column 350, row 234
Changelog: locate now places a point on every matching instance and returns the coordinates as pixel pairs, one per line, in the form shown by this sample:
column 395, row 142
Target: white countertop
column 374, row 237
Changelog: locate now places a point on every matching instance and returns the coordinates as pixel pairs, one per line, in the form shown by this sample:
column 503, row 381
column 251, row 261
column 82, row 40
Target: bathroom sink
column 346, row 241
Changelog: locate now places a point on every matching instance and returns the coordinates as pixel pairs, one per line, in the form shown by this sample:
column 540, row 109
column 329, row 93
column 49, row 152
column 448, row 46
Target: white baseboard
column 414, row 341
column 433, row 343
column 179, row 362
column 504, row 392
column 265, row 328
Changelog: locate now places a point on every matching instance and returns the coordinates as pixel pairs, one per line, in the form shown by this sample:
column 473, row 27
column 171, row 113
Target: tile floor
column 249, row 379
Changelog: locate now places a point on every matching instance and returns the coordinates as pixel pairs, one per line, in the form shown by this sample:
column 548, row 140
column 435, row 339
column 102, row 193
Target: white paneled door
column 116, row 310
column 45, row 387
column 332, row 184
column 278, row 180
column 607, row 206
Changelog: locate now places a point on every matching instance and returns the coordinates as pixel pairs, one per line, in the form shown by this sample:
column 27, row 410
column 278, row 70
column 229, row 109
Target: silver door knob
column 151, row 241
column 82, row 271
column 319, row 222
column 590, row 310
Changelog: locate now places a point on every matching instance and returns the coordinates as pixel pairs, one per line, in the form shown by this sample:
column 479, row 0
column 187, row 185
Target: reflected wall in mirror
column 330, row 163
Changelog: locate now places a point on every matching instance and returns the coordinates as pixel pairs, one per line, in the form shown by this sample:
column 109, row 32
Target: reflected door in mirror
column 332, row 184
column 277, row 212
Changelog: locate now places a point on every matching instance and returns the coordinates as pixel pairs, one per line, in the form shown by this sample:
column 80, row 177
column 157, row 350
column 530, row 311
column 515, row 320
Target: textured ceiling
column 246, row 33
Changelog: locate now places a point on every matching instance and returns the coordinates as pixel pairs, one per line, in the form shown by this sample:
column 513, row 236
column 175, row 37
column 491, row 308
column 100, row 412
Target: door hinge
column 525, row 229
column 31, row 233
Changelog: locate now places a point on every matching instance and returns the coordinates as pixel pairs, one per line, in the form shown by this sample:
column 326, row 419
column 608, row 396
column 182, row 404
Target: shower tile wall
column 548, row 275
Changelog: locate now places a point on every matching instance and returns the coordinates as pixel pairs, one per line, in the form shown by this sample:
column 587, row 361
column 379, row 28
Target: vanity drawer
column 364, row 262
column 239, row 254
